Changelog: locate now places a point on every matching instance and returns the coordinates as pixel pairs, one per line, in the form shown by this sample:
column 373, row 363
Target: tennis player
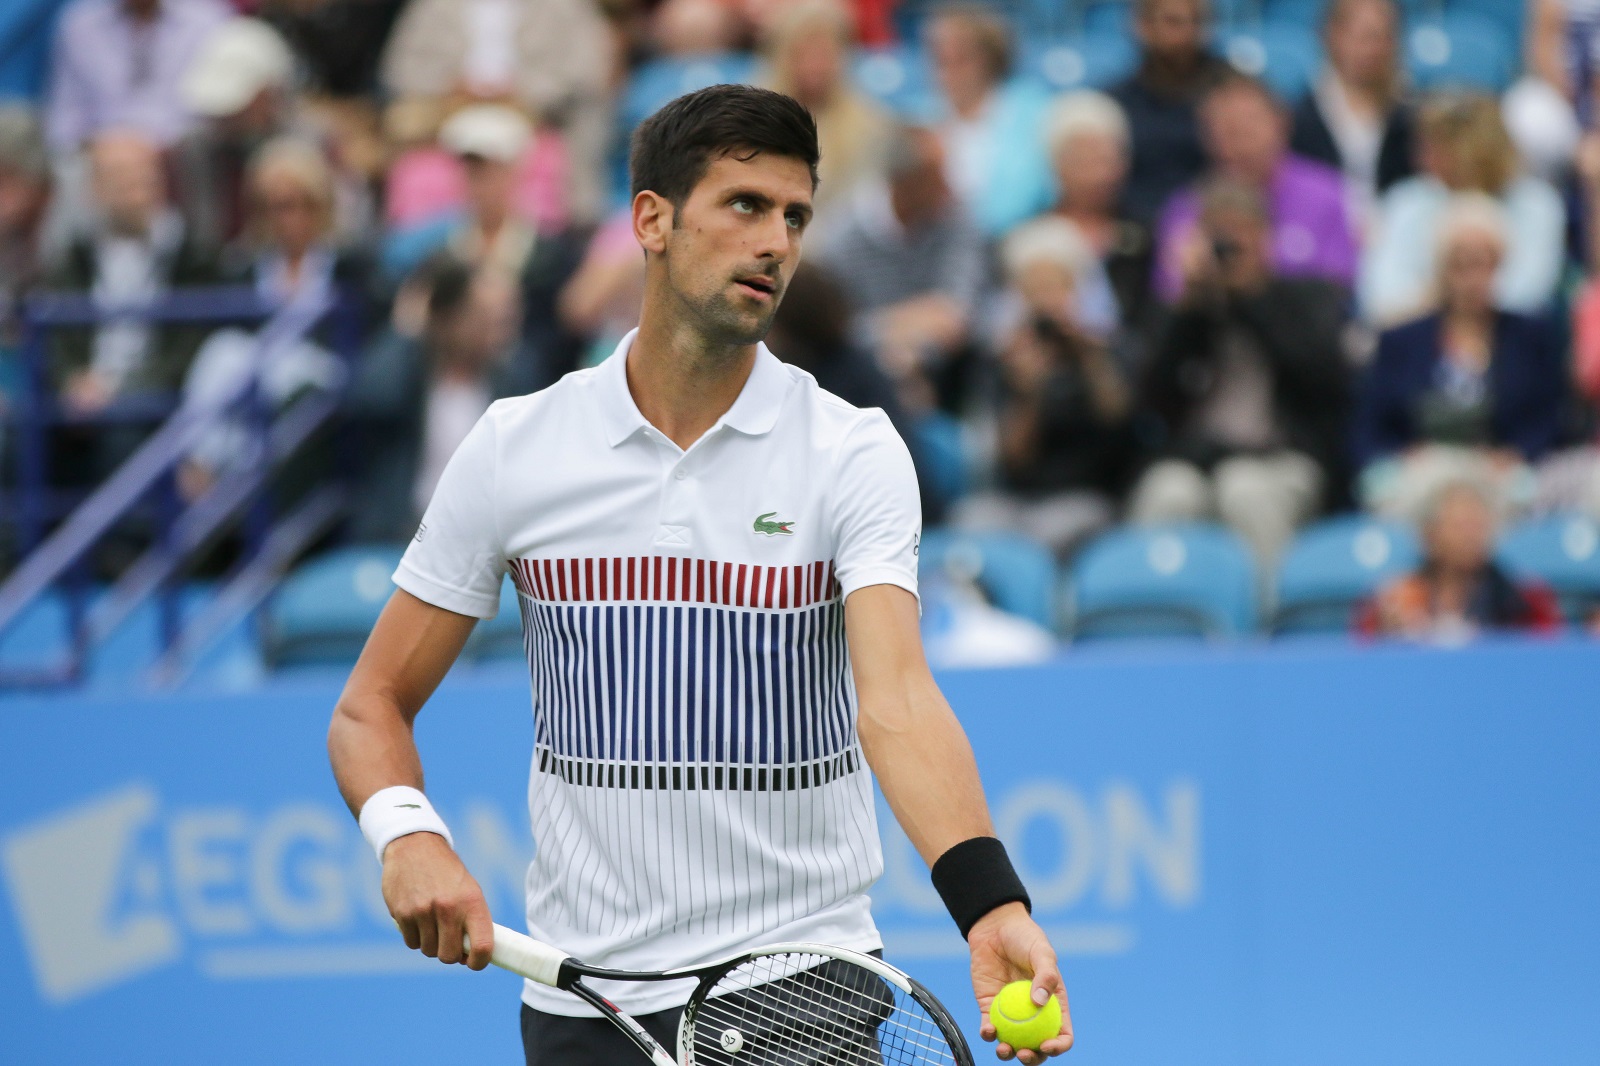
column 716, row 564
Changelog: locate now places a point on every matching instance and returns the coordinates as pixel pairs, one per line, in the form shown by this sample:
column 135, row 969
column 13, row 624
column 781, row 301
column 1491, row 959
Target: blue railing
column 55, row 559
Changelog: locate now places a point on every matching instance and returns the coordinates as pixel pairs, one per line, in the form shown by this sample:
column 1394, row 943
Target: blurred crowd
column 1176, row 298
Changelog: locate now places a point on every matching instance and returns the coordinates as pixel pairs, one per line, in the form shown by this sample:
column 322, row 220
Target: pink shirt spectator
column 426, row 183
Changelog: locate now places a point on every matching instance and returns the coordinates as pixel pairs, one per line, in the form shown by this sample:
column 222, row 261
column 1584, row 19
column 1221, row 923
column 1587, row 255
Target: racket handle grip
column 525, row 956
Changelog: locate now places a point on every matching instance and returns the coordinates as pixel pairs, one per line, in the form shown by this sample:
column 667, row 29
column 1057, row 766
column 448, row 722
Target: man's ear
column 652, row 218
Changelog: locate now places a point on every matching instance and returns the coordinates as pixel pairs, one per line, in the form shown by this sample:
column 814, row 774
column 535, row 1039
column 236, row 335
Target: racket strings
column 810, row 1010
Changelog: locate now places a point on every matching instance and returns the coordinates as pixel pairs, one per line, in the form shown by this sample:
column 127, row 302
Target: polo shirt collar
column 754, row 412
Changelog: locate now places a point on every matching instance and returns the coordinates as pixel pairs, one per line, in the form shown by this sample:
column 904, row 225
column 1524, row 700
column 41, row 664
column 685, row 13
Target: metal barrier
column 53, row 560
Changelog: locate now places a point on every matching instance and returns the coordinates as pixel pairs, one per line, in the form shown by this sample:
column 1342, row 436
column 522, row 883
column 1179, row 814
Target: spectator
column 601, row 301
column 808, row 51
column 1459, row 590
column 686, row 28
column 137, row 252
column 812, row 331
column 451, row 351
column 913, row 265
column 1064, row 440
column 1353, row 118
column 1088, row 138
column 289, row 258
column 293, row 249
column 1463, row 148
column 488, row 139
column 24, row 195
column 549, row 57
column 1469, row 391
column 1247, row 136
column 1249, row 378
column 119, row 64
column 1160, row 99
column 338, row 42
column 992, row 131
column 240, row 85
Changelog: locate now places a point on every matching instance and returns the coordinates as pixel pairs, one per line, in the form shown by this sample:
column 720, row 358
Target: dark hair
column 450, row 286
column 673, row 148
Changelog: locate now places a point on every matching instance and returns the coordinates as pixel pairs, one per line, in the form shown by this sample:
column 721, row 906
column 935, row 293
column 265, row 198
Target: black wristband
column 975, row 877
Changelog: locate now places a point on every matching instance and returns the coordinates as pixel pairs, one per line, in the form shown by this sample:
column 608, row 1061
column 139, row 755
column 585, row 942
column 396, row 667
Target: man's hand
column 434, row 900
column 1007, row 945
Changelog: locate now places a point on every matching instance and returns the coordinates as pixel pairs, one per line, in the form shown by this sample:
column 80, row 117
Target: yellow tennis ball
column 1019, row 1022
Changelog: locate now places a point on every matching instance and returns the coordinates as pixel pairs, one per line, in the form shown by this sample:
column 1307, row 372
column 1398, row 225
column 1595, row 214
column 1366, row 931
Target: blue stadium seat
column 899, row 78
column 1510, row 16
column 1564, row 553
column 1334, row 565
column 1017, row 573
column 943, row 454
column 1463, row 50
column 1108, row 17
column 1094, row 60
column 324, row 610
column 499, row 637
column 1188, row 580
column 661, row 80
column 1285, row 56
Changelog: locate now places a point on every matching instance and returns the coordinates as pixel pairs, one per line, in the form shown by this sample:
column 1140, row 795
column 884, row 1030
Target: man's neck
column 681, row 382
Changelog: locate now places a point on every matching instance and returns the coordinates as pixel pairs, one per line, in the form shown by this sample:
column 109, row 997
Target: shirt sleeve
column 456, row 560
column 877, row 514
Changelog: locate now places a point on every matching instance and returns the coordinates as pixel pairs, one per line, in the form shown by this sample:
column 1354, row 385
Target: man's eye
column 794, row 220
column 744, row 207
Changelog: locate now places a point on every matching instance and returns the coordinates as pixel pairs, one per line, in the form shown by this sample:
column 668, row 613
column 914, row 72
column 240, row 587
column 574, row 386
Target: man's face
column 1361, row 45
column 491, row 187
column 1090, row 169
column 1173, row 30
column 958, row 61
column 1470, row 265
column 1461, row 535
column 921, row 194
column 735, row 242
column 1246, row 135
column 128, row 183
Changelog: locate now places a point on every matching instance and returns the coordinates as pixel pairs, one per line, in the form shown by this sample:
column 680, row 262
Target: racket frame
column 547, row 965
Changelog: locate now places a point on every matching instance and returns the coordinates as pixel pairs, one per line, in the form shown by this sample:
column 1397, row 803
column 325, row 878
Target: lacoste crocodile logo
column 772, row 529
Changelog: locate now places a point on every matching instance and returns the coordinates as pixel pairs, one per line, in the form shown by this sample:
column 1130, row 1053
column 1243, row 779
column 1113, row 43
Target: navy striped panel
column 675, row 684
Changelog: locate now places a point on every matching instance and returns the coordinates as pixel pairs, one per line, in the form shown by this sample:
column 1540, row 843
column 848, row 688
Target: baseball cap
column 235, row 63
column 491, row 131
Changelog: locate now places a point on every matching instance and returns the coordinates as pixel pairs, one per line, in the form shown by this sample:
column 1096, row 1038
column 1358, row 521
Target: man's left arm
column 926, row 769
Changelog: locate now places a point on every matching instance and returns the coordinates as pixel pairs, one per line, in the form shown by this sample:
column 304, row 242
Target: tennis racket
column 783, row 1005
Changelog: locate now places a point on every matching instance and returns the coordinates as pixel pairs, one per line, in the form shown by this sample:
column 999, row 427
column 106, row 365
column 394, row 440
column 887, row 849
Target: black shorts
column 552, row 1040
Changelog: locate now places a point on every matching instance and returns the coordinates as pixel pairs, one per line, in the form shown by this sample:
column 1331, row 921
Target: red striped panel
column 675, row 579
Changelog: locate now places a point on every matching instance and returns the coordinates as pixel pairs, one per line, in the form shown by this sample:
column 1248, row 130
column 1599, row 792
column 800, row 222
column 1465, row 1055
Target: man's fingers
column 480, row 931
column 451, row 931
column 428, row 926
column 1004, row 1052
column 409, row 933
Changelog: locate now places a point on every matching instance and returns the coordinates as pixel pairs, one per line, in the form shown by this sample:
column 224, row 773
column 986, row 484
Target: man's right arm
column 430, row 894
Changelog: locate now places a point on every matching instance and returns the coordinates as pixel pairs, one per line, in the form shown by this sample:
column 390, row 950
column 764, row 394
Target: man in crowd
column 1175, row 70
column 913, row 263
column 1247, row 136
column 120, row 64
column 1250, row 380
column 450, row 352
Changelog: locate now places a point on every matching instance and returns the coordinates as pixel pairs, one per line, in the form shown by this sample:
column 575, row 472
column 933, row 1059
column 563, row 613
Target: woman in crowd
column 1458, row 591
column 808, row 52
column 1353, row 117
column 1087, row 136
column 1064, row 437
column 994, row 151
column 1464, row 149
column 1469, row 391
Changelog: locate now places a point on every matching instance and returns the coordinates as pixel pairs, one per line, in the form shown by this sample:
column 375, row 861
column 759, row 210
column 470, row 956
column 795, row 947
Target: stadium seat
column 1334, row 565
column 1094, row 60
column 661, row 80
column 1285, row 56
column 899, row 78
column 1108, row 17
column 1017, row 573
column 501, row 636
column 324, row 610
column 1463, row 50
column 943, row 454
column 1510, row 16
column 1563, row 552
column 1187, row 580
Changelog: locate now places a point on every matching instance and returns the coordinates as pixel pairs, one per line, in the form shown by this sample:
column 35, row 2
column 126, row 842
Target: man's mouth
column 759, row 285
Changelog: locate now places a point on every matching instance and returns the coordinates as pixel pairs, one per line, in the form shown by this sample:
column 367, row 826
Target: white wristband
column 398, row 811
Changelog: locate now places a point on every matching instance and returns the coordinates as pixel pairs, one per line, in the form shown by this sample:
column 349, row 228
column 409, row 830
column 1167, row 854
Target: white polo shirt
column 697, row 784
